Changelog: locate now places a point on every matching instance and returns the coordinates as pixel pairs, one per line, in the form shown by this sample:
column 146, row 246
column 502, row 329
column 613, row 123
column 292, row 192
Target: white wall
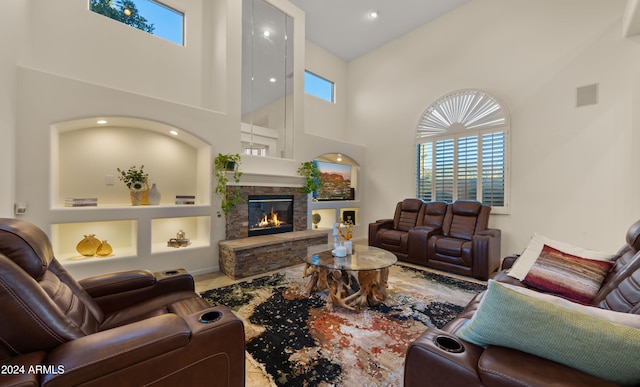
column 108, row 52
column 322, row 118
column 14, row 27
column 572, row 168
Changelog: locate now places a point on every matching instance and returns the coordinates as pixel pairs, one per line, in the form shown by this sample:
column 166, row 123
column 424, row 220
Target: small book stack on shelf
column 81, row 202
column 185, row 199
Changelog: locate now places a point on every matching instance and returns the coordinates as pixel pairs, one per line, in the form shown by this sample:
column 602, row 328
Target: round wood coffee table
column 357, row 280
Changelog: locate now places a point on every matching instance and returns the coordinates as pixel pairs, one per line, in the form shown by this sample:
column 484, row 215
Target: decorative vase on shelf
column 145, row 193
column 154, row 195
column 136, row 198
column 104, row 250
column 88, row 246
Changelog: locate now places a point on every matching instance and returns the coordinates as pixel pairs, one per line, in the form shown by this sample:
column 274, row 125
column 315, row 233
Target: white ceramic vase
column 349, row 246
column 154, row 195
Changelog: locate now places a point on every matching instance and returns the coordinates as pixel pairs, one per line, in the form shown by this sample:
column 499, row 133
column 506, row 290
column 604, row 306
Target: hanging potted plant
column 309, row 170
column 223, row 165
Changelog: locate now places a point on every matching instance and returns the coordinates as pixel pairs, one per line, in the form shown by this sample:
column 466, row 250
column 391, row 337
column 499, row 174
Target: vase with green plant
column 136, row 180
column 225, row 165
column 309, row 170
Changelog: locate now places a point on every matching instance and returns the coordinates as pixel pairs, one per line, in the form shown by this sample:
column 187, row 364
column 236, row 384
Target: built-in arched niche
column 86, row 154
column 337, row 201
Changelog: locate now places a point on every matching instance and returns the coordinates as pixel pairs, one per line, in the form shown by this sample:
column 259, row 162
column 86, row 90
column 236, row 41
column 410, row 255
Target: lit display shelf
column 332, row 212
column 120, row 234
column 85, row 162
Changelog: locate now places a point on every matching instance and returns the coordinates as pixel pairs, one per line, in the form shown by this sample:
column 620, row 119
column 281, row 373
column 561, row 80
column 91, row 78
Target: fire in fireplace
column 270, row 214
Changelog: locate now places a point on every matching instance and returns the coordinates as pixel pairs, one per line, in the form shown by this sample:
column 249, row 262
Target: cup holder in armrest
column 448, row 344
column 210, row 316
column 170, row 272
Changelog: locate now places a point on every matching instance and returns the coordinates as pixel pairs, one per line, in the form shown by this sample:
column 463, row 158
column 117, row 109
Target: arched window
column 462, row 150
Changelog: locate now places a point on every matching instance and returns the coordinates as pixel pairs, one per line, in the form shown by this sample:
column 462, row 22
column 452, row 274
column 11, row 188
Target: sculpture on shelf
column 135, row 179
column 88, row 245
column 104, row 250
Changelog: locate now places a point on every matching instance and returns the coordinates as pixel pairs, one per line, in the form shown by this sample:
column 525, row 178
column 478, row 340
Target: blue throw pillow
column 510, row 319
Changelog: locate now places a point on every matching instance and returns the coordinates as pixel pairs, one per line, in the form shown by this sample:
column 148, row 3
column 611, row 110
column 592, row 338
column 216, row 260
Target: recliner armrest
column 508, row 261
column 417, row 242
column 377, row 226
column 486, row 252
column 426, row 361
column 106, row 284
column 120, row 290
column 103, row 353
column 503, row 366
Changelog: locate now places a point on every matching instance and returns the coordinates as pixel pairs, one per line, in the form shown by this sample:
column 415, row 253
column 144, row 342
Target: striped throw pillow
column 569, row 276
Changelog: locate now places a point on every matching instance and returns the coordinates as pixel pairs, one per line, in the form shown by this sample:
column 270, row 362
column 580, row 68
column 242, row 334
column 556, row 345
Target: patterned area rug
column 297, row 341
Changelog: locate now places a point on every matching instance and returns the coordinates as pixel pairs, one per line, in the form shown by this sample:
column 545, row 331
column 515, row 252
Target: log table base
column 351, row 290
column 352, row 282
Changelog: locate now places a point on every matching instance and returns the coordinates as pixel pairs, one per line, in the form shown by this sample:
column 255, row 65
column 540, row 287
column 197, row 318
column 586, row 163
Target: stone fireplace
column 238, row 218
column 243, row 255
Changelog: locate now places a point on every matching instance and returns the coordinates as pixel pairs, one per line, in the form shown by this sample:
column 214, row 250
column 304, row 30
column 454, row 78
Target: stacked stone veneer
column 245, row 257
column 242, row 256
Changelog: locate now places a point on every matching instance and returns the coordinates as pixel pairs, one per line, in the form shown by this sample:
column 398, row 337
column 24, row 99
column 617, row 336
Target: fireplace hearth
column 270, row 214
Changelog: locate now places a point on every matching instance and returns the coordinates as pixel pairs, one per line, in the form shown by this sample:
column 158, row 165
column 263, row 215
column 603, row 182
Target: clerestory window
column 319, row 87
column 462, row 150
column 147, row 15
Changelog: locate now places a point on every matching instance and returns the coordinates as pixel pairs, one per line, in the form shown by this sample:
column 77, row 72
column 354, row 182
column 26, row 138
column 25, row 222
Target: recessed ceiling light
column 173, row 132
column 373, row 14
column 266, row 33
column 101, row 122
column 272, row 80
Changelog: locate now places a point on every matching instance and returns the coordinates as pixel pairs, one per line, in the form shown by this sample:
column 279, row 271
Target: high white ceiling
column 344, row 27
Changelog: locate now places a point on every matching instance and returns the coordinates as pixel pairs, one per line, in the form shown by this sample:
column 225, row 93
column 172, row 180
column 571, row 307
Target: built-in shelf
column 85, row 158
column 120, row 234
column 196, row 229
column 332, row 212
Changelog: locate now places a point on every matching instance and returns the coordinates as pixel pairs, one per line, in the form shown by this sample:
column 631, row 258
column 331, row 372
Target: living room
column 64, row 67
column 53, row 74
column 535, row 68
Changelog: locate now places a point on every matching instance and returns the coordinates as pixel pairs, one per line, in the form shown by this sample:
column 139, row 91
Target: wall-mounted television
column 336, row 181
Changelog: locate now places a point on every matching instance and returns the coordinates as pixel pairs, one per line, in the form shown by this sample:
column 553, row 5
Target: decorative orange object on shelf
column 88, row 246
column 104, row 250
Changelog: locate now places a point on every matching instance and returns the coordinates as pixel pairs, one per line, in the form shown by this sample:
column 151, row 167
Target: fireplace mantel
column 270, row 180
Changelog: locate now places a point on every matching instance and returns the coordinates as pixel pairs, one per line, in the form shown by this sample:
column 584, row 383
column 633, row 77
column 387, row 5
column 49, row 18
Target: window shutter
column 493, row 169
column 467, row 168
column 424, row 174
column 444, row 170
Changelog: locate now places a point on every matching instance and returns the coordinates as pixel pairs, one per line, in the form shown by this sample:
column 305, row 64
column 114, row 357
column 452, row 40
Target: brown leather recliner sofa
column 453, row 237
column 130, row 328
column 455, row 362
